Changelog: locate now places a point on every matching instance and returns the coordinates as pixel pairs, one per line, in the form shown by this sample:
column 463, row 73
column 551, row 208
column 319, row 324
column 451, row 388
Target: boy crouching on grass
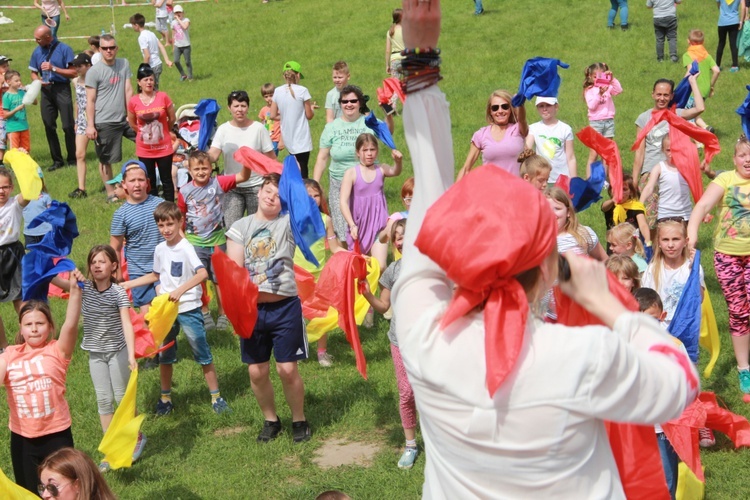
column 180, row 271
column 263, row 243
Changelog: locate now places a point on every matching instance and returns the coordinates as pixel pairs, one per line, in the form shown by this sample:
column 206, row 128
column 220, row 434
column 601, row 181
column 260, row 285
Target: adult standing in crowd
column 473, row 341
column 240, row 131
column 51, row 13
column 394, row 44
column 731, row 17
column 151, row 115
column 108, row 90
column 503, row 139
column 337, row 144
column 49, row 62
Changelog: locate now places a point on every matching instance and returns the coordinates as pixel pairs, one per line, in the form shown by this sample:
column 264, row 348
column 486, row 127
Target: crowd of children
column 168, row 246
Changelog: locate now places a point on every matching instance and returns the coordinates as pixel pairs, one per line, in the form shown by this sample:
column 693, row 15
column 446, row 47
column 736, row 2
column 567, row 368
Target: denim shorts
column 195, row 331
column 279, row 328
column 604, row 127
column 143, row 295
column 204, row 254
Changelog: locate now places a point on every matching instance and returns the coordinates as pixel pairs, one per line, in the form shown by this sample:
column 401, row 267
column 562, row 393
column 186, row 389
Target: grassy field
column 242, row 44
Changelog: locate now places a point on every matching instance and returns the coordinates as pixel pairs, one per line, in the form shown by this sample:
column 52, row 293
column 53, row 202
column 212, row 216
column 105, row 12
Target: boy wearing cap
column 134, row 222
column 150, row 47
column 4, row 66
column 553, row 139
column 181, row 42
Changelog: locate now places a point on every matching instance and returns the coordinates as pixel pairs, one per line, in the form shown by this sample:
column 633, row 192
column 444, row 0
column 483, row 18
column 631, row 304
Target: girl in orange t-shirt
column 33, row 372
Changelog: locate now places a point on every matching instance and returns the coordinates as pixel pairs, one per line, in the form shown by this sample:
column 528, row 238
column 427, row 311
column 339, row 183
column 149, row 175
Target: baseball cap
column 546, row 100
column 130, row 164
column 80, row 60
column 5, row 59
column 294, row 66
column 116, row 180
column 177, row 8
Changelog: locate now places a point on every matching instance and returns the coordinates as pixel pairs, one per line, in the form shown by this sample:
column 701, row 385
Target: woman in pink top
column 33, row 372
column 151, row 115
column 502, row 140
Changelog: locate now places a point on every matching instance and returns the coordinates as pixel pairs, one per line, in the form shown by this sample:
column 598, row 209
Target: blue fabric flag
column 682, row 91
column 207, row 110
column 686, row 322
column 304, row 214
column 37, row 270
column 58, row 242
column 744, row 112
column 586, row 192
column 380, row 129
column 539, row 78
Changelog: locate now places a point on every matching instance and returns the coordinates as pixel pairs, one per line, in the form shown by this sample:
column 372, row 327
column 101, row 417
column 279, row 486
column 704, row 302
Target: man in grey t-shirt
column 649, row 152
column 108, row 90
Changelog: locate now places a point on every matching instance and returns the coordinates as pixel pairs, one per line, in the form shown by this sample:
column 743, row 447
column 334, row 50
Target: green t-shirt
column 704, row 78
column 340, row 136
column 17, row 122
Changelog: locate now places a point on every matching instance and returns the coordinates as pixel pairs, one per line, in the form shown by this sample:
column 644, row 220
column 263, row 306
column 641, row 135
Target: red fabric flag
column 563, row 182
column 312, row 307
column 390, row 86
column 636, row 453
column 570, row 313
column 145, row 347
column 257, row 161
column 610, row 153
column 505, row 247
column 239, row 294
column 684, row 152
column 336, row 287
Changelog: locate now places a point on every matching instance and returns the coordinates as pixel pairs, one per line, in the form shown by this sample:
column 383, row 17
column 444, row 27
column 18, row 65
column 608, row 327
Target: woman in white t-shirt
column 291, row 104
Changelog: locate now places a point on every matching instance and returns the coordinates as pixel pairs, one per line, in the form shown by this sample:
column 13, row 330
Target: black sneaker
column 270, row 431
column 301, row 431
column 78, row 193
column 55, row 166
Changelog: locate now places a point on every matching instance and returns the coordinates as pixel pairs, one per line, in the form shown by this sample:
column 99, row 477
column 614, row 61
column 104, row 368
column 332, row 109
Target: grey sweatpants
column 110, row 373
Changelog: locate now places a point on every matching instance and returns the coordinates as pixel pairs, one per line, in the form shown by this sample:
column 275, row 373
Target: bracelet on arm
column 420, row 68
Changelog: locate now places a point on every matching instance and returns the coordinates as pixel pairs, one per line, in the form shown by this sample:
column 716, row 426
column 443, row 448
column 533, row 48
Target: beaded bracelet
column 417, row 50
column 420, row 68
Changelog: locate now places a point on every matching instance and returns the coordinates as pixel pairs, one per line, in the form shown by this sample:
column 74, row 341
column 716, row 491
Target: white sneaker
column 325, row 360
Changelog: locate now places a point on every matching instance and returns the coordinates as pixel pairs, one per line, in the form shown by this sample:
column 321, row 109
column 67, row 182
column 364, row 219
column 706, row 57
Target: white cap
column 546, row 100
column 177, row 8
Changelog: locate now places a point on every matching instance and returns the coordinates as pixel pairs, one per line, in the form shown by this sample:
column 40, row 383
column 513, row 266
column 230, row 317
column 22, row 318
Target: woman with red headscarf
column 509, row 405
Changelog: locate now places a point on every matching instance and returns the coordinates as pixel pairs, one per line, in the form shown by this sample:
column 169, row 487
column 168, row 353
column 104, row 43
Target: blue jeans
column 670, row 461
column 623, row 6
column 195, row 331
column 57, row 24
column 478, row 9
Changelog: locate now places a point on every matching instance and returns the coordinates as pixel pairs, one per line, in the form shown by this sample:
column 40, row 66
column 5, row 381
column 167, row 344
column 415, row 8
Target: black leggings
column 164, row 164
column 731, row 30
column 303, row 159
column 28, row 453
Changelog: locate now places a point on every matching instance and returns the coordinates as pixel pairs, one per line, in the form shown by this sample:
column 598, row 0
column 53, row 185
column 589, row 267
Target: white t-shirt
column 175, row 265
column 671, row 284
column 11, row 221
column 568, row 242
column 229, row 139
column 549, row 141
column 147, row 40
column 295, row 129
column 96, row 58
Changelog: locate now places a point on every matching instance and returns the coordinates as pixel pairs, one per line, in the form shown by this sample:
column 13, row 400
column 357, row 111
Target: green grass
column 243, row 44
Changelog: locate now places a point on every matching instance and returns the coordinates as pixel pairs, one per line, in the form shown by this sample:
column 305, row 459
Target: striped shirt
column 136, row 224
column 102, row 326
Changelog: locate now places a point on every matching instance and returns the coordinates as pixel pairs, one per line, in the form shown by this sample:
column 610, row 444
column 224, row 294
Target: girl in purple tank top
column 362, row 198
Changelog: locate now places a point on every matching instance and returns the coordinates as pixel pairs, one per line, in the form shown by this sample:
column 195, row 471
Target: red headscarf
column 483, row 232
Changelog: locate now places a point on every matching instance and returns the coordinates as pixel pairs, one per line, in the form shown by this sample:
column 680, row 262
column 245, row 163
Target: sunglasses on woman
column 504, row 105
column 349, row 101
column 54, row 490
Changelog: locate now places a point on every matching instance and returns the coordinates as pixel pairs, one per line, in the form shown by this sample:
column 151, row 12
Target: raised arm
column 66, row 342
column 395, row 170
column 523, row 125
column 698, row 107
column 427, row 126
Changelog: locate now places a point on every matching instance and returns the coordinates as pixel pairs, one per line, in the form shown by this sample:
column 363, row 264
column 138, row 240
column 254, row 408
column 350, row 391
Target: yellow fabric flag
column 161, row 316
column 317, row 327
column 709, row 338
column 121, row 437
column 27, row 173
column 11, row 491
column 689, row 487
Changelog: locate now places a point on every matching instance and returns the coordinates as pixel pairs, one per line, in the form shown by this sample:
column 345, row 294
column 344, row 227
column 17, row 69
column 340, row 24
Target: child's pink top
column 601, row 106
column 35, row 386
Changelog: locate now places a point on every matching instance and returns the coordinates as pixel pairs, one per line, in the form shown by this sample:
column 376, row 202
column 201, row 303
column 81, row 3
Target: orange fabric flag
column 610, row 153
column 257, row 162
column 239, row 293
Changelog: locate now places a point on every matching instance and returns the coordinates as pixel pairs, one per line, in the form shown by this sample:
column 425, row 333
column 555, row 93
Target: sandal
column 113, row 199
